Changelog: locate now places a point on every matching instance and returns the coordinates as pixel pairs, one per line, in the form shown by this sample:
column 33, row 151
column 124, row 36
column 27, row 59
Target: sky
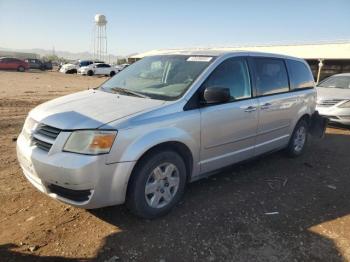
column 136, row 26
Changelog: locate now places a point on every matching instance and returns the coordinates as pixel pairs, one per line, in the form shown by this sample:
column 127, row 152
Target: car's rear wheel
column 112, row 73
column 157, row 184
column 90, row 73
column 297, row 142
column 21, row 69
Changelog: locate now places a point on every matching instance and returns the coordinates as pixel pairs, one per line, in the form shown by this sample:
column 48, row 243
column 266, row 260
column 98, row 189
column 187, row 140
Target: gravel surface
column 269, row 209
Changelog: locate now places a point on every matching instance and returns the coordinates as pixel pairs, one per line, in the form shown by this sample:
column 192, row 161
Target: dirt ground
column 269, row 209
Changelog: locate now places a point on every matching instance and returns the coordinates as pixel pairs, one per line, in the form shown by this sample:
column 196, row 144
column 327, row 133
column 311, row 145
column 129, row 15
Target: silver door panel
column 227, row 133
column 276, row 115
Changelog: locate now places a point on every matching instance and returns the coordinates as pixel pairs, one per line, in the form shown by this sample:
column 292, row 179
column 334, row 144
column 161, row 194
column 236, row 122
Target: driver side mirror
column 216, row 95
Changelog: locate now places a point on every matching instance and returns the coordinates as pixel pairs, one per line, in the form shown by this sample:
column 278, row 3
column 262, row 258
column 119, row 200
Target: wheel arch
column 176, row 146
column 306, row 117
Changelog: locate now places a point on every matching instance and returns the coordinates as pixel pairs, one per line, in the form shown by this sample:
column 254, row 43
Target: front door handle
column 266, row 106
column 250, row 109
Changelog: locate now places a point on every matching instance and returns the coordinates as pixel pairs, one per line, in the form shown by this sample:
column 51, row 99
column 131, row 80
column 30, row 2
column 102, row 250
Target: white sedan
column 97, row 69
column 333, row 98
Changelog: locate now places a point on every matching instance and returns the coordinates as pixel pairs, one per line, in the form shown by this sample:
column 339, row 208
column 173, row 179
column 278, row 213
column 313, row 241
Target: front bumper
column 63, row 70
column 82, row 72
column 66, row 69
column 79, row 180
column 335, row 114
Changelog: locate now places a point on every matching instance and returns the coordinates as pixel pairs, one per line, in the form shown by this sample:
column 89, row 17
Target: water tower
column 100, row 37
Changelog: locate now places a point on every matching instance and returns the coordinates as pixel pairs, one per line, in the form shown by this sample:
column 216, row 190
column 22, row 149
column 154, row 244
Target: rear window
column 270, row 76
column 85, row 63
column 300, row 75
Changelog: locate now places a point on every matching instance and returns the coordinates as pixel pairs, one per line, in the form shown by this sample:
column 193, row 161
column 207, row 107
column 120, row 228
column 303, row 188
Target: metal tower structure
column 100, row 37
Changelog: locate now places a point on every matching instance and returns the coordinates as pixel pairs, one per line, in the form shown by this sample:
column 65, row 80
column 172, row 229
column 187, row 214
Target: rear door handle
column 250, row 109
column 266, row 106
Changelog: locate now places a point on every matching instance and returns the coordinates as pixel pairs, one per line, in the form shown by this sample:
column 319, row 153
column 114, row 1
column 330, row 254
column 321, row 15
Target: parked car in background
column 97, row 69
column 48, row 65
column 121, row 67
column 39, row 64
column 333, row 98
column 73, row 68
column 165, row 121
column 9, row 63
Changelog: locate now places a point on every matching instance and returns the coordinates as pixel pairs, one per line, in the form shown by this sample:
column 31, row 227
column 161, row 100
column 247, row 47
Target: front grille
column 44, row 136
column 329, row 102
column 41, row 144
column 49, row 131
column 75, row 195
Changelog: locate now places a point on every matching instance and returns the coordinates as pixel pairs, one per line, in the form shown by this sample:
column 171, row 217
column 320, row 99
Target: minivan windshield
column 336, row 82
column 164, row 77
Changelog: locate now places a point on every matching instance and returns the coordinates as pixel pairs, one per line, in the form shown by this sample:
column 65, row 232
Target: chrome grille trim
column 41, row 144
column 44, row 136
column 329, row 102
column 49, row 131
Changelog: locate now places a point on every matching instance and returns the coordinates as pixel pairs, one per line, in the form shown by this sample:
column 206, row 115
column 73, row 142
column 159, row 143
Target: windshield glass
column 336, row 82
column 159, row 77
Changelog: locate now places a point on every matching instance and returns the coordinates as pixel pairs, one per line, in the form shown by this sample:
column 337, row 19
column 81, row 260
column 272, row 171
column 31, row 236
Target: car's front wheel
column 21, row 69
column 90, row 73
column 112, row 73
column 157, row 184
column 71, row 71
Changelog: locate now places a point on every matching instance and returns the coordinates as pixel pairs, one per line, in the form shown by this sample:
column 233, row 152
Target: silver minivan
column 162, row 122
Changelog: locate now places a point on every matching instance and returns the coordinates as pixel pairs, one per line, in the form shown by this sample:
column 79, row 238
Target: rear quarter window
column 300, row 75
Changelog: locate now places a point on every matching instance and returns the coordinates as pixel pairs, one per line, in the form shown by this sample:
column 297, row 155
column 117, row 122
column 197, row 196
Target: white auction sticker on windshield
column 199, row 58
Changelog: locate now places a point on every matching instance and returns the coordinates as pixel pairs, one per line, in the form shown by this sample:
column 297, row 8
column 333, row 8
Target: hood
column 69, row 66
column 332, row 93
column 90, row 109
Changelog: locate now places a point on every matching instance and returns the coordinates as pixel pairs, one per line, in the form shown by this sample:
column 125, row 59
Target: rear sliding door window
column 270, row 76
column 300, row 75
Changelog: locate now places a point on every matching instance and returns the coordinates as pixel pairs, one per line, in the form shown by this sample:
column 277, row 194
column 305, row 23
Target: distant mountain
column 64, row 54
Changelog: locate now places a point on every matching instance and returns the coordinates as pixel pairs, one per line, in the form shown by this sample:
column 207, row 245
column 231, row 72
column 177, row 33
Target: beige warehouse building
column 325, row 59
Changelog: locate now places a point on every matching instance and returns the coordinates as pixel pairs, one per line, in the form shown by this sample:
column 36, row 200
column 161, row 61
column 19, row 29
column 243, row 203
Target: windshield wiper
column 128, row 92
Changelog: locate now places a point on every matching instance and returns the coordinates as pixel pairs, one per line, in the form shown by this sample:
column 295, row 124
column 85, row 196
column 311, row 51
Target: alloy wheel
column 299, row 139
column 162, row 185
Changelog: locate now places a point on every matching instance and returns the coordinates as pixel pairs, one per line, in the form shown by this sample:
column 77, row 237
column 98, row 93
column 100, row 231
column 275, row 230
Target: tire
column 298, row 140
column 21, row 69
column 164, row 174
column 90, row 73
column 71, row 71
column 112, row 74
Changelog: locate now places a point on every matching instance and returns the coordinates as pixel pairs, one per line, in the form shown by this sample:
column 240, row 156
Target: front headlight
column 90, row 142
column 345, row 105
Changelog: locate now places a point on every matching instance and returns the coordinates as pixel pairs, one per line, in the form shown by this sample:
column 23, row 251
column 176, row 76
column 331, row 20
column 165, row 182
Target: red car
column 9, row 63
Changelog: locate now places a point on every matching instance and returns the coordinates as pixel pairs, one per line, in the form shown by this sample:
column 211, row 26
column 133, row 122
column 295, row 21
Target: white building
column 324, row 58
